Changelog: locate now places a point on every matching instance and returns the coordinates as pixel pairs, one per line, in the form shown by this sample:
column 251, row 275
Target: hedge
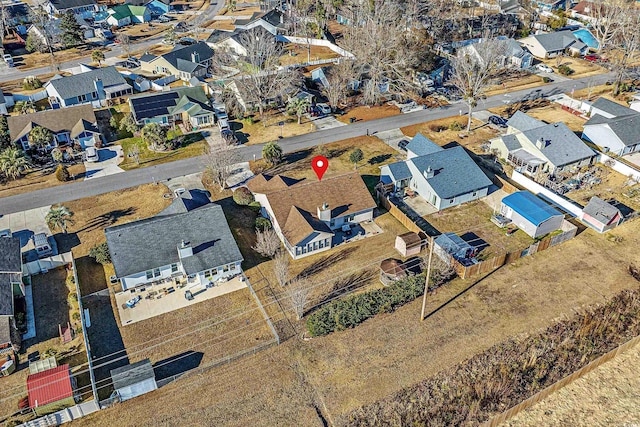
column 355, row 309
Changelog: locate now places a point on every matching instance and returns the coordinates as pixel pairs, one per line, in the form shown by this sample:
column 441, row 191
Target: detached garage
column 133, row 380
column 530, row 214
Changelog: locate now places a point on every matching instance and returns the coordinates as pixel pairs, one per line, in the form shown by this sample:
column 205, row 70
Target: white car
column 92, row 154
column 544, row 68
column 324, row 108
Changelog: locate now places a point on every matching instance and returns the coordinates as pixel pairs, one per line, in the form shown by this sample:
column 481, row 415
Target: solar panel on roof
column 152, row 106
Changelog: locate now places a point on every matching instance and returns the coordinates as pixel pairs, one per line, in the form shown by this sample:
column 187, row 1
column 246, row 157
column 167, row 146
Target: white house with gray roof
column 550, row 45
column 538, row 147
column 190, row 240
column 96, row 87
column 613, row 127
column 184, row 62
column 444, row 178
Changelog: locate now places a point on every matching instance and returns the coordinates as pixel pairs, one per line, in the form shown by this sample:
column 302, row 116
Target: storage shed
column 531, row 214
column 51, row 390
column 449, row 245
column 133, row 380
column 408, row 244
column 601, row 215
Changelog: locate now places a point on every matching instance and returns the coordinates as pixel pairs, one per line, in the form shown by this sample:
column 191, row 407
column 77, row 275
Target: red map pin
column 319, row 165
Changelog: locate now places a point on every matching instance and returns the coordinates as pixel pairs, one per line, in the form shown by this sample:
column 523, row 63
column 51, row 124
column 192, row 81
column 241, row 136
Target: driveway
column 109, row 159
column 24, row 225
column 391, row 137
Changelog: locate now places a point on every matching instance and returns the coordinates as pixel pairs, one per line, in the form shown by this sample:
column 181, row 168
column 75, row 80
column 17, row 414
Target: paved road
column 178, row 168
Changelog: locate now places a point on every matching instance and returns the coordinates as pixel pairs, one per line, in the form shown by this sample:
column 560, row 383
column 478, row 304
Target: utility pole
column 426, row 281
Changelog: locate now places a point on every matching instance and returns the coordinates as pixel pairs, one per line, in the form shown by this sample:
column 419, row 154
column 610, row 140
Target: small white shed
column 134, row 380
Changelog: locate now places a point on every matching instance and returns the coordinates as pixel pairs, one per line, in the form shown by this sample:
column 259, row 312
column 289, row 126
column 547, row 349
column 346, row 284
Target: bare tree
column 472, row 69
column 134, row 152
column 125, row 43
column 267, row 242
column 298, row 292
column 338, row 77
column 281, row 267
column 606, row 16
column 626, row 47
column 219, row 160
column 41, row 20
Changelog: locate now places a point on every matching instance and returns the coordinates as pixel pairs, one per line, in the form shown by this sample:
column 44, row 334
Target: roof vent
column 184, row 249
column 429, row 173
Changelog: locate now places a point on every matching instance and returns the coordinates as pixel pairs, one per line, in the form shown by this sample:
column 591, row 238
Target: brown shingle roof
column 411, row 239
column 56, row 121
column 295, row 206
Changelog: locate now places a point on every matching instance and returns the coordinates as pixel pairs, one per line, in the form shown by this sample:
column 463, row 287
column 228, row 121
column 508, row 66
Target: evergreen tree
column 72, row 34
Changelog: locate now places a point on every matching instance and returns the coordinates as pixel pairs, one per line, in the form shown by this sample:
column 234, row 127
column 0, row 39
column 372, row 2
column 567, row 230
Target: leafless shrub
column 298, row 292
column 281, row 267
column 267, row 242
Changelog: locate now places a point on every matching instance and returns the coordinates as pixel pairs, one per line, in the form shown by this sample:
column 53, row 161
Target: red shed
column 50, row 390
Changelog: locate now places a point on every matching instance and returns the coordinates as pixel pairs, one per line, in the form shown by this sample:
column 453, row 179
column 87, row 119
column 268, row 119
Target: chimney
column 185, row 250
column 429, row 173
column 195, row 57
column 540, row 143
column 99, row 87
column 324, row 213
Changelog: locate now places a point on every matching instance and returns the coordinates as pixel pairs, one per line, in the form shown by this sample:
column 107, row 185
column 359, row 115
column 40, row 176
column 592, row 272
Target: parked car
column 187, row 41
column 544, row 68
column 8, row 59
column 595, row 58
column 41, row 242
column 498, row 121
column 223, row 125
column 323, row 108
column 92, row 154
column 188, row 295
column 229, row 136
column 403, row 144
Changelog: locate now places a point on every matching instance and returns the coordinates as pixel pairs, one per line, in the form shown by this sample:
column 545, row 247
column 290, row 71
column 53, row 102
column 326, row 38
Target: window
column 321, row 244
column 332, row 222
column 82, row 98
column 94, row 95
column 225, row 268
column 156, row 272
column 174, row 268
column 233, row 267
column 149, row 275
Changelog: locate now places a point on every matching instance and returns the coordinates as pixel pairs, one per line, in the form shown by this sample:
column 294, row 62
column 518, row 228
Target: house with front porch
column 187, row 105
column 190, row 241
column 96, row 87
column 538, row 147
column 613, row 127
column 184, row 62
column 127, row 14
column 309, row 215
column 83, row 8
column 69, row 126
column 444, row 178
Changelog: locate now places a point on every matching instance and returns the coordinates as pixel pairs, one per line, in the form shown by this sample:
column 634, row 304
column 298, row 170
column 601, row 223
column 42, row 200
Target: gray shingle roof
column 601, row 210
column 399, row 170
column 143, row 245
column 273, row 17
column 6, row 295
column 5, row 329
column 10, row 256
column 562, row 147
column 220, row 35
column 558, row 40
column 626, row 128
column 420, row 145
column 511, row 142
column 611, row 107
column 68, row 4
column 522, row 122
column 455, row 172
column 135, row 373
column 188, row 201
column 83, row 83
column 184, row 53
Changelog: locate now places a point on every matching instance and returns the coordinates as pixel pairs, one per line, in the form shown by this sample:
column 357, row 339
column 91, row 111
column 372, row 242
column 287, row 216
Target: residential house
column 134, row 380
column 126, row 14
column 585, row 11
column 548, row 5
column 231, row 41
column 444, row 178
column 51, row 390
column 11, row 286
column 184, row 62
column 85, row 8
column 191, row 241
column 16, row 12
column 514, row 53
column 601, row 215
column 182, row 105
column 613, row 127
column 531, row 214
column 69, row 126
column 308, row 215
column 6, row 101
column 537, row 147
column 96, row 87
column 549, row 45
column 450, row 245
column 248, row 99
column 273, row 21
column 159, row 7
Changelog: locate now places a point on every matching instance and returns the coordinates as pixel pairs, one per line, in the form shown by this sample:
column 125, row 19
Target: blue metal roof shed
column 531, row 214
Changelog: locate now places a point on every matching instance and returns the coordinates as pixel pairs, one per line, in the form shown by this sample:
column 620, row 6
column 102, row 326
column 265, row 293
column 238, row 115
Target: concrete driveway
column 109, row 159
column 24, row 225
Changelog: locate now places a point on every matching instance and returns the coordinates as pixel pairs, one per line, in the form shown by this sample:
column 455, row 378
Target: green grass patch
column 191, row 145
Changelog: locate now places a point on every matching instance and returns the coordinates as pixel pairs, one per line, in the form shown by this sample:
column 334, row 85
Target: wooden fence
column 505, row 185
column 399, row 215
column 568, row 232
column 513, row 411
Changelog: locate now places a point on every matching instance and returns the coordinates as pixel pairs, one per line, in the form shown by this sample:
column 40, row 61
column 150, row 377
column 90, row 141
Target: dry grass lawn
column 366, row 113
column 38, row 180
column 226, row 25
column 37, row 59
column 605, row 91
column 259, row 130
column 438, row 131
column 613, row 186
column 15, row 86
column 581, row 67
column 297, row 54
column 551, row 113
column 607, row 396
column 139, row 31
column 241, row 11
column 519, row 83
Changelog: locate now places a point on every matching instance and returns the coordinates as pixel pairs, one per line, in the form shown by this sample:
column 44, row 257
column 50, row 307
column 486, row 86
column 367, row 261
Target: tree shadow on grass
column 326, row 262
column 66, row 241
column 379, row 159
column 108, row 218
column 343, row 286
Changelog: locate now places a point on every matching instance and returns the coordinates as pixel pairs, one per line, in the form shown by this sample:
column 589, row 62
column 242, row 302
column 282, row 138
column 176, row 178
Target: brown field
column 581, row 67
column 142, row 31
column 93, row 214
column 266, row 128
column 297, row 54
column 366, row 113
column 37, row 59
column 242, row 11
column 605, row 91
column 604, row 397
column 226, row 25
column 551, row 113
column 515, row 83
column 438, row 131
column 15, row 86
column 38, row 180
column 347, row 369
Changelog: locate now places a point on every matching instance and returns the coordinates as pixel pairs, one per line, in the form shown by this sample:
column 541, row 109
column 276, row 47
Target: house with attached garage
column 444, row 178
column 190, row 241
column 550, row 45
column 184, row 62
column 84, row 8
column 11, row 286
column 96, row 87
column 126, row 14
column 537, row 147
column 69, row 126
column 531, row 214
column 188, row 105
column 613, row 127
column 273, row 21
column 309, row 215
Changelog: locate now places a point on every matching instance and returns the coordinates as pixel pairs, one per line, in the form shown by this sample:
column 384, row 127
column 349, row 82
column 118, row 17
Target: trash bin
column 352, row 119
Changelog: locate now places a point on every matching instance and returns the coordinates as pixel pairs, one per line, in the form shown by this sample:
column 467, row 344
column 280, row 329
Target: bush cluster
column 455, row 126
column 351, row 311
column 565, row 70
column 242, row 196
column 62, row 173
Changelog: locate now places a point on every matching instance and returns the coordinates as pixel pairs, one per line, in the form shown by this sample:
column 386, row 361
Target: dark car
column 403, row 144
column 498, row 121
column 229, row 136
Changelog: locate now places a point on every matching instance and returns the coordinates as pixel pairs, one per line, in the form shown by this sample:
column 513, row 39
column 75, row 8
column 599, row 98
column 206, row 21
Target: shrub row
column 355, row 309
column 508, row 373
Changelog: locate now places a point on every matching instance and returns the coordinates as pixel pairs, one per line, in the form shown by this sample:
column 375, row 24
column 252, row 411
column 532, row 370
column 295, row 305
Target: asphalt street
column 167, row 171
